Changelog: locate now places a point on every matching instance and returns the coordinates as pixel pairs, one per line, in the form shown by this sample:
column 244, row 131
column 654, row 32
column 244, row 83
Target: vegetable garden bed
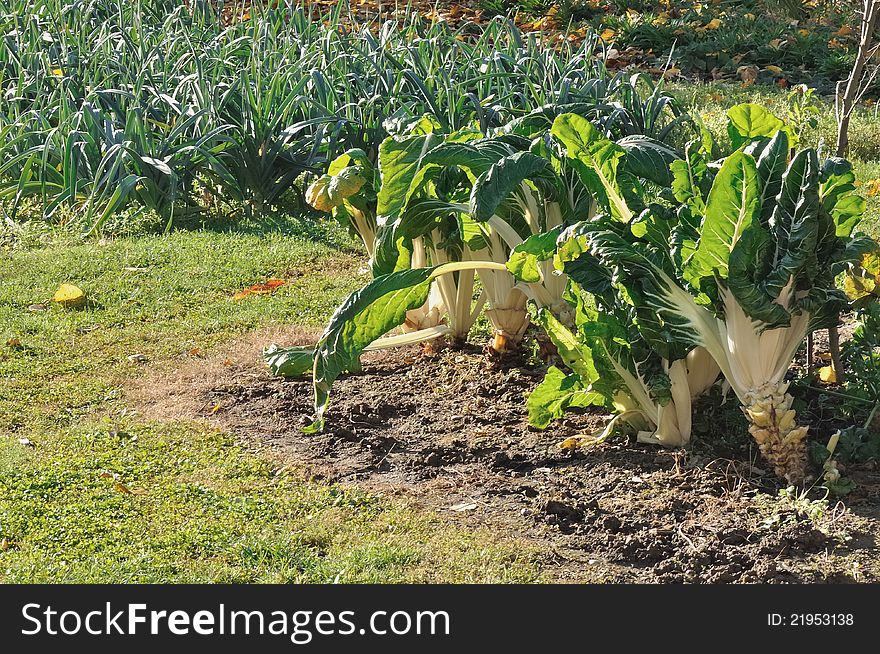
column 447, row 430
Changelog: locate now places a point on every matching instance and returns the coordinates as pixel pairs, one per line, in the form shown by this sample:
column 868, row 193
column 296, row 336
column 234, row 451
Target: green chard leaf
column 525, row 257
column 366, row 315
column 557, row 393
column 503, row 178
column 293, row 361
column 747, row 122
column 732, row 206
column 837, row 192
column 596, row 160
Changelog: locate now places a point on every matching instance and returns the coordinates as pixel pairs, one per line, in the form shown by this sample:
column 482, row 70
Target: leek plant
column 116, row 106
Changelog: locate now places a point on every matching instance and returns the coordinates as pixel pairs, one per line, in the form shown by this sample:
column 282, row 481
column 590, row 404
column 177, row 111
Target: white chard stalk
column 758, row 361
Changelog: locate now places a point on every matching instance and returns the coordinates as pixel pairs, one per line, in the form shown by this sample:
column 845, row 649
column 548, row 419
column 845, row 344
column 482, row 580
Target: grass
column 107, row 495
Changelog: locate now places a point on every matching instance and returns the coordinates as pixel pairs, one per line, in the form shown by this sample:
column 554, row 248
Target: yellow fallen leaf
column 749, row 16
column 121, row 488
column 69, row 295
column 825, row 356
column 846, row 30
column 669, row 73
column 775, row 43
column 873, row 187
column 774, row 69
column 572, row 443
column 827, row 375
column 748, row 74
column 713, row 24
column 607, row 34
column 804, row 32
column 57, row 72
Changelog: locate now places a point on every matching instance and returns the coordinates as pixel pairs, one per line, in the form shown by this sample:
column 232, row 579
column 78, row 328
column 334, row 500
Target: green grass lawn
column 105, row 495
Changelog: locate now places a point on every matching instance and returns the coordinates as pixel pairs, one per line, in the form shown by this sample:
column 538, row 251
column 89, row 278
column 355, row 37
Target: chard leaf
column 648, row 158
column 668, row 317
column 355, row 156
column 771, row 166
column 423, row 215
column 691, row 178
column 366, row 315
column 731, row 208
column 293, row 361
column 524, row 260
column 837, row 192
column 558, row 392
column 399, row 161
column 575, row 354
column 794, row 224
column 653, row 226
column 503, row 178
column 747, row 122
column 750, row 264
column 599, row 159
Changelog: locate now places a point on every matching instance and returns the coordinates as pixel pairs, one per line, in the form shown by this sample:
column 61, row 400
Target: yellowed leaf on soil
column 827, row 375
column 774, row 69
column 748, row 74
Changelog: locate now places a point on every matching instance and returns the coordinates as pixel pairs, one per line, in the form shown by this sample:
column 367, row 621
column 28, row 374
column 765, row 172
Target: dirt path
column 448, row 431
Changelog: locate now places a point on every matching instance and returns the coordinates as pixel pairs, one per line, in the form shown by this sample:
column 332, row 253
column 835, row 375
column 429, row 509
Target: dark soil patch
column 449, row 430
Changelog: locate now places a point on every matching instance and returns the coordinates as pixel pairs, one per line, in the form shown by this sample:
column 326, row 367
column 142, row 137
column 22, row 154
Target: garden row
column 162, row 106
column 655, row 272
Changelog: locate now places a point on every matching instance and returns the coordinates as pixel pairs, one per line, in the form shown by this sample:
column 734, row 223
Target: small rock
column 611, row 523
column 563, row 511
column 529, row 491
column 26, row 442
column 137, row 358
column 464, row 506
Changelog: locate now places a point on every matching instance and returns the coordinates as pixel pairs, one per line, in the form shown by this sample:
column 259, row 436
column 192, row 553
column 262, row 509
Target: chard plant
column 745, row 270
column 451, row 207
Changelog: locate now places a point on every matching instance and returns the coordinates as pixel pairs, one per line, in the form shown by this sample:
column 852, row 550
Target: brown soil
column 447, row 430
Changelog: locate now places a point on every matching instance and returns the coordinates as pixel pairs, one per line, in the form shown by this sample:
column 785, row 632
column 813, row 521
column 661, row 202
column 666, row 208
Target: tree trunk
column 854, row 88
column 854, row 84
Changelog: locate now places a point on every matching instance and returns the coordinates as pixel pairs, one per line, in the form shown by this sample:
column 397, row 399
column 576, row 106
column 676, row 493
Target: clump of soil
column 448, row 428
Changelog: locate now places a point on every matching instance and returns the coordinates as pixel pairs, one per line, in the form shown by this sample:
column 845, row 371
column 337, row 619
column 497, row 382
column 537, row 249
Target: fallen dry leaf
column 122, row 488
column 270, row 286
column 69, row 296
column 827, row 375
column 748, row 74
column 464, row 506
